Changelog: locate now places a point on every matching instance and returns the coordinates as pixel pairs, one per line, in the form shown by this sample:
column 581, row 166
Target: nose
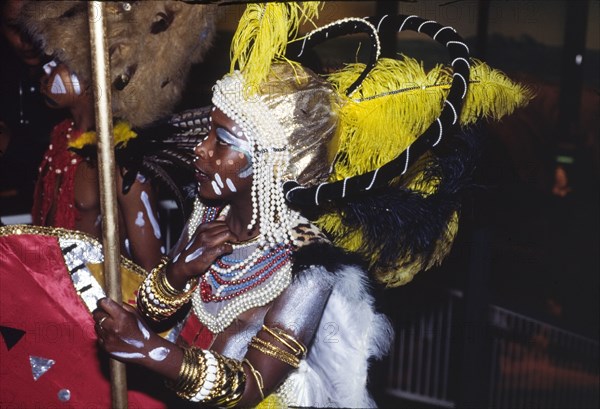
column 200, row 150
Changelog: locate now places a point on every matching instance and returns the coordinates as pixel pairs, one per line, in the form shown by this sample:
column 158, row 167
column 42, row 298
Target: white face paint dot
column 240, row 155
column 218, row 179
column 128, row 355
column 145, row 332
column 139, row 221
column 218, row 162
column 211, row 153
column 216, row 188
column 230, row 162
column 230, row 185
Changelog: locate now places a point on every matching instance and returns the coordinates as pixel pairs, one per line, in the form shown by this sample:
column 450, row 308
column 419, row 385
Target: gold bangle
column 166, row 289
column 233, row 383
column 257, row 377
column 299, row 350
column 228, row 385
column 191, row 374
column 157, row 298
column 150, row 309
column 274, row 351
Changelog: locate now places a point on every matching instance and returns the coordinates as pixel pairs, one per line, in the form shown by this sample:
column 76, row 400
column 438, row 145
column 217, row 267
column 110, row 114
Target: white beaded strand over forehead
column 270, row 155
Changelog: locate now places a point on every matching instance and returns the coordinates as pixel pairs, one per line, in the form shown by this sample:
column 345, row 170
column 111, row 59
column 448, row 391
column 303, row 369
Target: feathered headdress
column 398, row 155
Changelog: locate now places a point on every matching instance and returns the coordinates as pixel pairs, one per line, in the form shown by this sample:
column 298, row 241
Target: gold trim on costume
column 59, row 232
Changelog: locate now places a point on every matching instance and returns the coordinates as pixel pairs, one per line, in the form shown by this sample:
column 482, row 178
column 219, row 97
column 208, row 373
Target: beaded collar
column 240, row 284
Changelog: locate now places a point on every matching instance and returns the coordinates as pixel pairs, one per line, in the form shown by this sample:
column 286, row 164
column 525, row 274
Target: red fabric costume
column 43, row 318
column 55, row 185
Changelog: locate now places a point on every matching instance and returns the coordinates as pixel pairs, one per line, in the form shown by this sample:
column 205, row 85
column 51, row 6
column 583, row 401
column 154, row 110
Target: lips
column 201, row 177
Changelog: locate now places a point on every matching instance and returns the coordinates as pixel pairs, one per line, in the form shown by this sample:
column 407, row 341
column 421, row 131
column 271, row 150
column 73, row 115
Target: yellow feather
column 122, row 133
column 399, row 98
column 263, row 33
column 395, row 104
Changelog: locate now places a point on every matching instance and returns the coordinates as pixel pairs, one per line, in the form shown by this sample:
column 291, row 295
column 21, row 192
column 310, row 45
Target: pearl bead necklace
column 265, row 290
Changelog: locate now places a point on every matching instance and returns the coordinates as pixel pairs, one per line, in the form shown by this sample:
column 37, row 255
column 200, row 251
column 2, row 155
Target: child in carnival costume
column 297, row 176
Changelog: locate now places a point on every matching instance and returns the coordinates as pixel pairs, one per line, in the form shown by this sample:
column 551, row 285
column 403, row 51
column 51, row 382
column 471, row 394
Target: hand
column 209, row 242
column 123, row 334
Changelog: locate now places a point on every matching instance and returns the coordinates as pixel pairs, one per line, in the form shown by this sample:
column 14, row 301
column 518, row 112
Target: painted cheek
column 58, row 86
column 216, row 188
column 230, row 185
column 219, row 180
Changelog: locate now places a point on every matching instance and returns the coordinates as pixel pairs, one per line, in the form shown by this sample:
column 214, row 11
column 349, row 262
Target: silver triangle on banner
column 39, row 366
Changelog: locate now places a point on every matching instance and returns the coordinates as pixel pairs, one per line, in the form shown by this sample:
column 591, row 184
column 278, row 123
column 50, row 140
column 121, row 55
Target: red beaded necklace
column 215, row 285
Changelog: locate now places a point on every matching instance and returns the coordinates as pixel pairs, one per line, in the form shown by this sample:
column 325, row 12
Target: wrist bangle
column 157, row 298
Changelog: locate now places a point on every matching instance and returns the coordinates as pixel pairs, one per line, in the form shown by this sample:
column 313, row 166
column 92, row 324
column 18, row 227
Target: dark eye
column 223, row 136
column 161, row 22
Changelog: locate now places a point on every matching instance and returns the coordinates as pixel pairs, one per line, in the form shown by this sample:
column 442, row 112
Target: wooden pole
column 106, row 175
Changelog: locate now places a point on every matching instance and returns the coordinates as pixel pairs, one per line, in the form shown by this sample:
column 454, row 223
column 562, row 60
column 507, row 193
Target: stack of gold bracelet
column 298, row 350
column 157, row 298
column 210, row 378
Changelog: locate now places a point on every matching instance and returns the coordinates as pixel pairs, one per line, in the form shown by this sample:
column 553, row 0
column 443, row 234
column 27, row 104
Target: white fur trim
column 334, row 374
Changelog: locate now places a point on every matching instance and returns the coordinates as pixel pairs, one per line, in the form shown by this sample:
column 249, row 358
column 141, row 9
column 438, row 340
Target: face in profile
column 19, row 41
column 224, row 160
column 61, row 87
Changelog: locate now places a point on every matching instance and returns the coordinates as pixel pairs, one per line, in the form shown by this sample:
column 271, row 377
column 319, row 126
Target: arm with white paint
column 141, row 236
column 210, row 241
column 125, row 336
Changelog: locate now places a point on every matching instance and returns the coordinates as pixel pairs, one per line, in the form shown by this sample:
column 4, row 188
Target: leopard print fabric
column 307, row 233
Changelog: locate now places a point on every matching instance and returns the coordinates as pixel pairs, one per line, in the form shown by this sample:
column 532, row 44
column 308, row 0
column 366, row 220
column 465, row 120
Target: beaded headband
column 270, row 155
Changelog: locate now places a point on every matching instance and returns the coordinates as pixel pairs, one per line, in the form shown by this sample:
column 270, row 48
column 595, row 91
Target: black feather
column 401, row 224
column 163, row 151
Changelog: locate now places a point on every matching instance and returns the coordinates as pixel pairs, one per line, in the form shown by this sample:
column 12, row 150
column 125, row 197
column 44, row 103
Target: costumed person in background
column 49, row 354
column 67, row 193
column 286, row 317
column 142, row 89
column 25, row 120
